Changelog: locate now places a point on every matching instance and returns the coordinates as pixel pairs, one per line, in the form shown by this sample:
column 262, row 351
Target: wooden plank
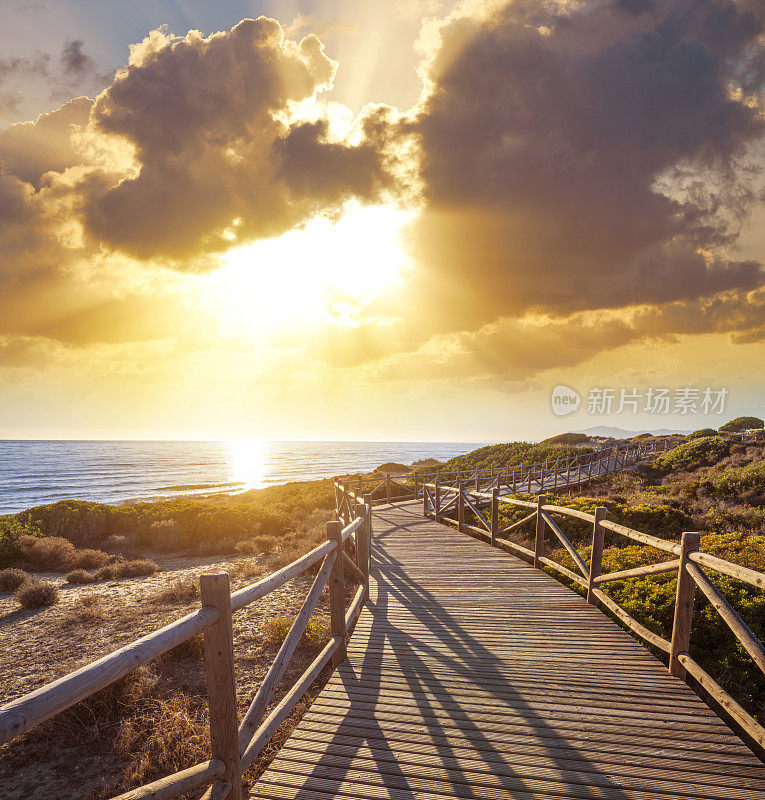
column 472, row 674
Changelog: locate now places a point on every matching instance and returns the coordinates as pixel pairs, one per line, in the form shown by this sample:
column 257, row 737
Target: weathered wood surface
column 472, row 674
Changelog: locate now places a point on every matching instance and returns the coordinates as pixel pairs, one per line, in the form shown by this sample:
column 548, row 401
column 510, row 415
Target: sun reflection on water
column 248, row 462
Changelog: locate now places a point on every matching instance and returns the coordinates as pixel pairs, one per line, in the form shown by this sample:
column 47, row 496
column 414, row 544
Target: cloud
column 30, row 149
column 220, row 156
column 585, row 157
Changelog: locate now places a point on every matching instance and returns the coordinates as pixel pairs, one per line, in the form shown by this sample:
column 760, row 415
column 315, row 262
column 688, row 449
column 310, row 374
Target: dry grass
column 162, row 737
column 11, row 579
column 80, row 576
column 35, row 593
column 57, row 554
column 137, row 568
column 179, row 593
column 89, row 610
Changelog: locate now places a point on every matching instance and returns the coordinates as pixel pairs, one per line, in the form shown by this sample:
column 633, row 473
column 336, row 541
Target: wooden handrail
column 688, row 567
column 234, row 747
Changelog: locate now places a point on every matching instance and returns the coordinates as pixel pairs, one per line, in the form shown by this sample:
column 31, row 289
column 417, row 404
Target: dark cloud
column 75, row 62
column 586, row 159
column 219, row 160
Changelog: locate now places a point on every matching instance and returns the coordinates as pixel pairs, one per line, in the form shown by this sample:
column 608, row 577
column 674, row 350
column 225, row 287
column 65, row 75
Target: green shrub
column 742, row 424
column 37, row 594
column 11, row 579
column 735, row 481
column 512, row 454
column 645, row 436
column 692, row 454
column 11, row 530
column 567, row 438
column 700, row 434
column 276, row 631
column 392, row 466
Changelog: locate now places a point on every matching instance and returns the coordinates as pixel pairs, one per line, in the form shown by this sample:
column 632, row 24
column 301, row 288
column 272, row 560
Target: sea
column 36, row 472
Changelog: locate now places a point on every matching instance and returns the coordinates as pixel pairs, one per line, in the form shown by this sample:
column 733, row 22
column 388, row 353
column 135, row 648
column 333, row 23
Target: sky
column 403, row 220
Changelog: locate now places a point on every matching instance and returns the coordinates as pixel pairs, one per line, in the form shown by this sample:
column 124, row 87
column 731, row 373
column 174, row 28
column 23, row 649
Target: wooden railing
column 687, row 561
column 234, row 745
column 555, row 474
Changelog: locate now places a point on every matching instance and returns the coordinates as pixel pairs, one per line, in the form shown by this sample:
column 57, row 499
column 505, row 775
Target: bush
column 87, row 559
column 393, row 466
column 742, row 424
column 81, row 576
column 702, row 433
column 567, row 438
column 512, row 454
column 734, row 481
column 136, row 568
column 11, row 579
column 692, row 454
column 276, row 631
column 37, row 594
column 645, row 436
column 11, row 530
column 46, row 552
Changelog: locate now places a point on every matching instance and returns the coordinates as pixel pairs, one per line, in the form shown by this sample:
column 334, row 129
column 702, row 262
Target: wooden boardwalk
column 472, row 674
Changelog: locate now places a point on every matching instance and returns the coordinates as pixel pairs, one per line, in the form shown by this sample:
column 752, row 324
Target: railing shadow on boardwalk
column 424, row 684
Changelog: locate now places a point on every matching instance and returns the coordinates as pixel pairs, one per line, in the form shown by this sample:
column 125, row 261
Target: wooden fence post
column 596, row 558
column 437, row 501
column 215, row 591
column 424, row 500
column 494, row 514
column 362, row 545
column 337, row 594
column 368, row 504
column 539, row 540
column 686, row 592
column 460, row 508
column 387, row 486
column 416, row 491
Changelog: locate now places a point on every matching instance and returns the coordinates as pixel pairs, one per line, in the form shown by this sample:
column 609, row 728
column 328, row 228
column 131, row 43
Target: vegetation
column 276, row 630
column 704, row 484
column 11, row 579
column 393, row 467
column 742, row 424
column 512, row 454
column 567, row 438
column 702, row 433
column 693, row 454
column 35, row 593
column 11, row 530
column 71, row 529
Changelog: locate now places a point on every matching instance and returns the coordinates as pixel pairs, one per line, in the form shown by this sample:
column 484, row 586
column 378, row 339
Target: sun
column 325, row 272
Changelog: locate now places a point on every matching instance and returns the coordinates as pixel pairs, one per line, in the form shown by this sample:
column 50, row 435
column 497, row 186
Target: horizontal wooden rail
column 689, row 562
column 187, row 780
column 222, row 773
column 638, row 572
column 21, row 715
